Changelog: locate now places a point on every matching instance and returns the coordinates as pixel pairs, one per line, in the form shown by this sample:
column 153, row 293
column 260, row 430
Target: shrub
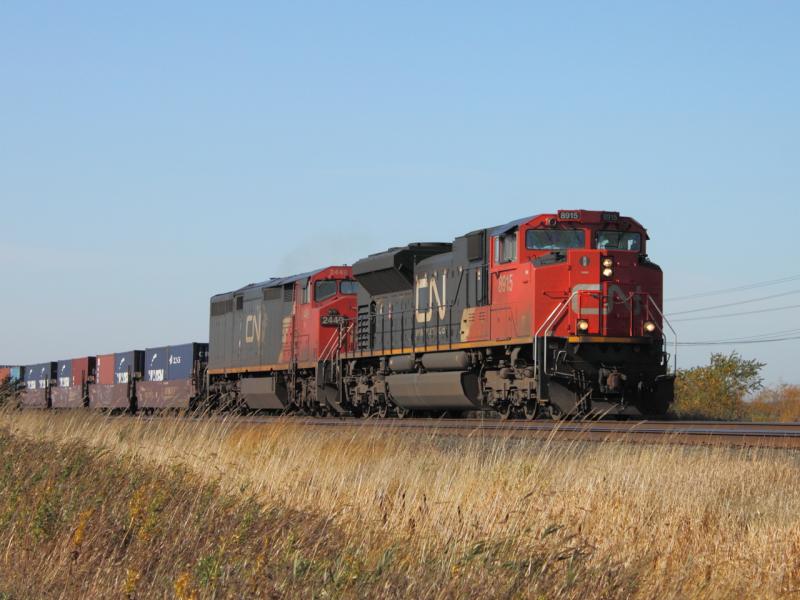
column 781, row 403
column 718, row 390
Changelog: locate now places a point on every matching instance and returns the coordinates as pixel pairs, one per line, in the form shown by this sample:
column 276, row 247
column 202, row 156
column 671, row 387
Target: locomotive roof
column 279, row 281
column 272, row 282
column 500, row 229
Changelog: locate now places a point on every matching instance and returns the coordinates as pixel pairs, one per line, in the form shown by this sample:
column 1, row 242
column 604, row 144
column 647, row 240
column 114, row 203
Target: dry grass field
column 100, row 507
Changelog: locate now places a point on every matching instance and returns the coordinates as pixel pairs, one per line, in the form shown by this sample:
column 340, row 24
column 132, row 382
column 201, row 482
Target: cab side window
column 505, row 248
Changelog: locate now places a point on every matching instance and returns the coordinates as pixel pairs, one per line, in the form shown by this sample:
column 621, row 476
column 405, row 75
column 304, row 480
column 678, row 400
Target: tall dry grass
column 399, row 514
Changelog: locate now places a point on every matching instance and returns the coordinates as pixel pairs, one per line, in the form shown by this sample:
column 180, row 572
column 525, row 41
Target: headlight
column 608, row 272
column 649, row 326
column 608, row 261
column 583, row 325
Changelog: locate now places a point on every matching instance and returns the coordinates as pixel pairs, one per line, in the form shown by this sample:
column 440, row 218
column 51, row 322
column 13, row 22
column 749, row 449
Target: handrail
column 547, row 326
column 556, row 319
column 674, row 334
column 332, row 346
column 547, row 323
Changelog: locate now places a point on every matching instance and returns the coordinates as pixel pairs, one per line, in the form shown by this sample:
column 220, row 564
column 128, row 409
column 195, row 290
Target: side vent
column 273, row 293
column 363, row 329
column 476, row 245
column 221, row 307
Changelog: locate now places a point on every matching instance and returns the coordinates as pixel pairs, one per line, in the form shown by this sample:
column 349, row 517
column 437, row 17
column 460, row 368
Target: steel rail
column 732, row 433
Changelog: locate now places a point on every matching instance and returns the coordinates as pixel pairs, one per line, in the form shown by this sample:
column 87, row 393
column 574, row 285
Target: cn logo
column 430, row 287
column 616, row 295
column 252, row 329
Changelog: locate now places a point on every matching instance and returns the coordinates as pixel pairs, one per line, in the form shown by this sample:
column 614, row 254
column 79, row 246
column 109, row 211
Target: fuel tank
column 457, row 390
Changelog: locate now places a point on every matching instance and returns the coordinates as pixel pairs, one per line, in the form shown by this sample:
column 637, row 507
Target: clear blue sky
column 153, row 154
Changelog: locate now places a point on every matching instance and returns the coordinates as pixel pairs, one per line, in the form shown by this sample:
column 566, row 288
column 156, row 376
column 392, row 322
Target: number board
column 569, row 215
column 332, row 319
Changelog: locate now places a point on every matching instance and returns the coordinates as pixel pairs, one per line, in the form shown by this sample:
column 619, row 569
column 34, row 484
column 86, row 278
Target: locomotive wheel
column 369, row 408
column 506, row 411
column 555, row 413
column 382, row 410
column 531, row 410
column 402, row 413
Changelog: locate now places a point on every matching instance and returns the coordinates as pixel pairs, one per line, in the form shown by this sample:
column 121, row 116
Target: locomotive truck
column 548, row 316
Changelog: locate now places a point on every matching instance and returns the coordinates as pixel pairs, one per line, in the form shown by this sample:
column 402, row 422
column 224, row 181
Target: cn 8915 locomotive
column 548, row 316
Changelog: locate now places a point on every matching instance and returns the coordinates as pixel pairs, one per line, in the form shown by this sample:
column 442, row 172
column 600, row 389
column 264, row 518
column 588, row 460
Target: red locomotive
column 269, row 340
column 553, row 315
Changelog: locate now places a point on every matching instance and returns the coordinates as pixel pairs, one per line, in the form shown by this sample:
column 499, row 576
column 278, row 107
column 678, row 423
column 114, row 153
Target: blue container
column 16, row 373
column 127, row 365
column 179, row 364
column 27, row 373
column 37, row 377
column 182, row 360
column 155, row 363
column 64, row 373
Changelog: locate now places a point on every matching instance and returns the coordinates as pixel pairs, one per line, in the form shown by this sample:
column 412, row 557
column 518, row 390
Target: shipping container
column 105, row 369
column 128, row 366
column 40, row 375
column 16, row 373
column 155, row 363
column 83, row 371
column 182, row 360
column 64, row 373
column 5, row 373
column 76, row 372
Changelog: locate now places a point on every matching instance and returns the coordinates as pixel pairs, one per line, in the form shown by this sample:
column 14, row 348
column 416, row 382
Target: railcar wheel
column 555, row 413
column 506, row 411
column 402, row 413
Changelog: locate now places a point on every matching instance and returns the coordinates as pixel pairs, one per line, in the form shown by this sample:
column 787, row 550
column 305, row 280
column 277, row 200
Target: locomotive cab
column 597, row 320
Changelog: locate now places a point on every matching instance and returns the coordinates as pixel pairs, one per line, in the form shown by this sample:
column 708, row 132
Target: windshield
column 348, row 287
column 324, row 289
column 619, row 240
column 554, row 239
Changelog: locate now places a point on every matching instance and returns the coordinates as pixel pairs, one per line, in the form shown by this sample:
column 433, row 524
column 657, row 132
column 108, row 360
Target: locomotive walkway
column 729, row 433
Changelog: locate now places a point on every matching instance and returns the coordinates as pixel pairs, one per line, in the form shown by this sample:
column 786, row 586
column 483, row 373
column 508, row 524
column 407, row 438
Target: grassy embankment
column 108, row 507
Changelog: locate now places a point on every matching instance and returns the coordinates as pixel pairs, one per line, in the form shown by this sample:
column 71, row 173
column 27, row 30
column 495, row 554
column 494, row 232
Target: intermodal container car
column 38, row 379
column 173, row 376
column 116, row 379
column 74, row 378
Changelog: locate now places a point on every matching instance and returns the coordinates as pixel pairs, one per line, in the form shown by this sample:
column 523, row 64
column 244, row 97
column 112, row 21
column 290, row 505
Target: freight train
column 548, row 316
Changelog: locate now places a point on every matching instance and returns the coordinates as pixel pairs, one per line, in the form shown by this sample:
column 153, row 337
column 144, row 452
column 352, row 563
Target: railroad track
column 768, row 435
